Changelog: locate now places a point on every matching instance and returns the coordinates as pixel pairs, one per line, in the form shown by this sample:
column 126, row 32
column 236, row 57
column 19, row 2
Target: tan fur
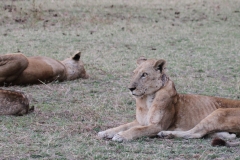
column 161, row 110
column 13, row 103
column 16, row 69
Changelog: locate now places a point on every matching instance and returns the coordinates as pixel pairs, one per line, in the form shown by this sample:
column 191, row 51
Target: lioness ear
column 141, row 59
column 77, row 56
column 160, row 64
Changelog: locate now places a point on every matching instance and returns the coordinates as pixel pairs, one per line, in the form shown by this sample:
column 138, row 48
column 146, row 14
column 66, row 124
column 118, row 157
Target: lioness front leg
column 137, row 132
column 226, row 119
column 113, row 131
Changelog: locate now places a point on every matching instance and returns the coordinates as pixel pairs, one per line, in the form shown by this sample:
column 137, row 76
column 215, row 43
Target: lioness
column 16, row 69
column 13, row 103
column 160, row 110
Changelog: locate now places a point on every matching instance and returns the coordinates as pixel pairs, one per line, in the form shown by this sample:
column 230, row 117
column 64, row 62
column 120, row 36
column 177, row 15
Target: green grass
column 198, row 39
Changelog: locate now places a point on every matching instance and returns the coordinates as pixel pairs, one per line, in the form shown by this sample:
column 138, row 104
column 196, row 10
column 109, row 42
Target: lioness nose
column 132, row 89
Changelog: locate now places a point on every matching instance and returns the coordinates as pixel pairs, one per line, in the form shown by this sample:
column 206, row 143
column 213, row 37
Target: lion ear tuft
column 141, row 60
column 160, row 65
column 77, row 56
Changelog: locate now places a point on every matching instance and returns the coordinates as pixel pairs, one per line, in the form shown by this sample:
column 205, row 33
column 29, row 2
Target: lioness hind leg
column 223, row 135
column 113, row 131
column 226, row 119
column 11, row 66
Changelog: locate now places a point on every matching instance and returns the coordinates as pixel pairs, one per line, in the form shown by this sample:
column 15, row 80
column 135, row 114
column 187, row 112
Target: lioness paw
column 104, row 134
column 161, row 134
column 101, row 134
column 165, row 134
column 118, row 138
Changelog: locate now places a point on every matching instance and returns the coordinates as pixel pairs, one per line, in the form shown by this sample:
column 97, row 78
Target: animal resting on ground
column 161, row 111
column 17, row 69
column 14, row 103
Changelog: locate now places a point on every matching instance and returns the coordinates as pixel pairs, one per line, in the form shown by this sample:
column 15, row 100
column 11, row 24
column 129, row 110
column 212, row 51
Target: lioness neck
column 149, row 100
column 167, row 90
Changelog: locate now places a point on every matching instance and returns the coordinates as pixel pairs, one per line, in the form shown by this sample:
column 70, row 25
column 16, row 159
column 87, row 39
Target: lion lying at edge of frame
column 161, row 111
column 17, row 69
column 14, row 103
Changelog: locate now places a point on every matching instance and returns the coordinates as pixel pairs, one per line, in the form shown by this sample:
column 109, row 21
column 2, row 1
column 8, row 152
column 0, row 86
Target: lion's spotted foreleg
column 227, row 119
column 113, row 131
column 137, row 132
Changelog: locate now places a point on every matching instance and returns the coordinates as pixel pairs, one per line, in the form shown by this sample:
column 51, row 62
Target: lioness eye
column 144, row 75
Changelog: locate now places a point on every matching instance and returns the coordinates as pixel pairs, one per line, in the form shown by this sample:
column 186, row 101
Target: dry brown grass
column 199, row 40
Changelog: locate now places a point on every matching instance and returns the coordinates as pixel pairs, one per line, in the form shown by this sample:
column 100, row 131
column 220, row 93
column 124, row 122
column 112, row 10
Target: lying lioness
column 13, row 103
column 16, row 69
column 160, row 110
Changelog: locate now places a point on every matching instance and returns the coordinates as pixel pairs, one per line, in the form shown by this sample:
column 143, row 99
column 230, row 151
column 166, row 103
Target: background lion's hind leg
column 11, row 66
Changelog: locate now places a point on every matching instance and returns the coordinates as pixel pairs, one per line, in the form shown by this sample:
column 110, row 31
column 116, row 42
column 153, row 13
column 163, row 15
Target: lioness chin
column 161, row 111
column 17, row 69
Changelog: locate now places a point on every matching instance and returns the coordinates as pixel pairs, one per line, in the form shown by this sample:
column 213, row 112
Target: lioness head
column 74, row 67
column 148, row 77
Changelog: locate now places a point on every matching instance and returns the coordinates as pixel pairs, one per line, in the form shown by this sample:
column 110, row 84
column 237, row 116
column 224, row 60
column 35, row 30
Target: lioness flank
column 13, row 103
column 17, row 69
column 161, row 111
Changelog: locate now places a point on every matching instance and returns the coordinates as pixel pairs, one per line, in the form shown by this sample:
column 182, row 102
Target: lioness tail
column 221, row 142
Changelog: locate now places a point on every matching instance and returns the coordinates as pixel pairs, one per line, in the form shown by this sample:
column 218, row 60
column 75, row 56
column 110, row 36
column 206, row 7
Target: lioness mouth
column 137, row 95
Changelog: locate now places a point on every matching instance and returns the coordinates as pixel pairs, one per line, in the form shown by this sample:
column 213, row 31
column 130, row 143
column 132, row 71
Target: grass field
column 200, row 40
